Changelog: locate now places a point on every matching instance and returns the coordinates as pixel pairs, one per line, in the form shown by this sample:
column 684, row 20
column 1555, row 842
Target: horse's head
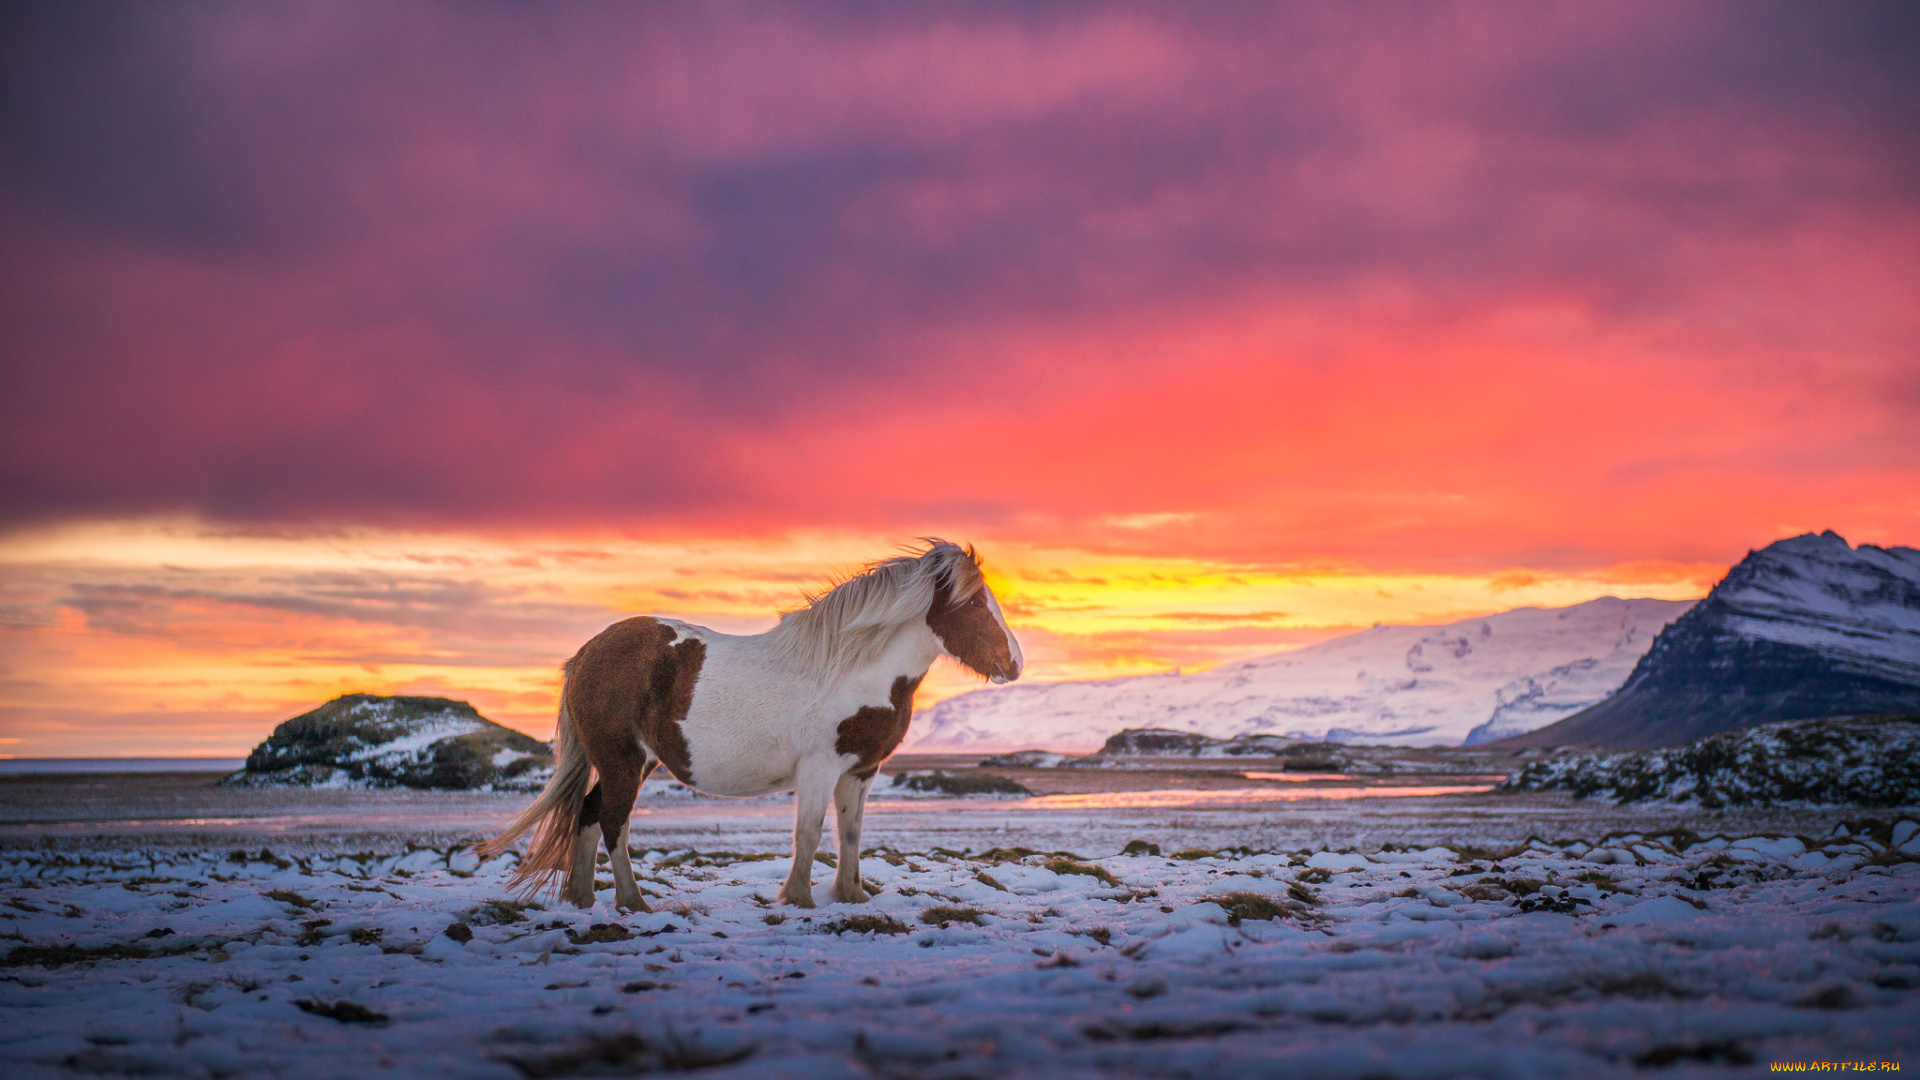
column 966, row 619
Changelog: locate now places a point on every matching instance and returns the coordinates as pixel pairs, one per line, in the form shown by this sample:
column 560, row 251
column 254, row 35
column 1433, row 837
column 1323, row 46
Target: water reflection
column 1101, row 800
column 1296, row 777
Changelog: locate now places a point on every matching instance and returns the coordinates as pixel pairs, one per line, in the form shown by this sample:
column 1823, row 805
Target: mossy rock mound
column 1833, row 761
column 376, row 741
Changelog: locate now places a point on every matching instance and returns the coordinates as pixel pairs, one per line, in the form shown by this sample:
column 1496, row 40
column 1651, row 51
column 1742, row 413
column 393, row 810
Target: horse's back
column 637, row 677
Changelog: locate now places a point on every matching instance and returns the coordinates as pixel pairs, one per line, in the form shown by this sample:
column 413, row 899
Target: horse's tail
column 556, row 813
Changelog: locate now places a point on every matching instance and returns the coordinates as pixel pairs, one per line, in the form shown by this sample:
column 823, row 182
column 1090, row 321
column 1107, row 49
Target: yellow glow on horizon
column 151, row 637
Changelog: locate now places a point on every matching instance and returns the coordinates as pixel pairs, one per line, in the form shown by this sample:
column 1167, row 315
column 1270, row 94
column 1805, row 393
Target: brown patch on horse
column 634, row 678
column 590, row 808
column 970, row 633
column 873, row 732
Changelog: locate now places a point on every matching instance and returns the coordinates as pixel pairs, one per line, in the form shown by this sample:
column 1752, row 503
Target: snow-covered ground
column 1402, row 938
column 1473, row 681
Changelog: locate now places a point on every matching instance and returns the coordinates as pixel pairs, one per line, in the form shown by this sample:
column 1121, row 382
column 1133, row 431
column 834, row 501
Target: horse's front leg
column 813, row 789
column 849, row 810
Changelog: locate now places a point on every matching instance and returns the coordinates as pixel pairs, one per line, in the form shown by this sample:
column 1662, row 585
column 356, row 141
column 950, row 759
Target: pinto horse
column 813, row 705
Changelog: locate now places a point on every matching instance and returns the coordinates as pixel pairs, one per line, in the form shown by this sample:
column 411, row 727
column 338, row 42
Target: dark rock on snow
column 1846, row 761
column 372, row 741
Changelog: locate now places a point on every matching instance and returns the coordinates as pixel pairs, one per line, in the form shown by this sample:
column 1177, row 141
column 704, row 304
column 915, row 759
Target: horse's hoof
column 799, row 900
column 857, row 896
column 638, row 905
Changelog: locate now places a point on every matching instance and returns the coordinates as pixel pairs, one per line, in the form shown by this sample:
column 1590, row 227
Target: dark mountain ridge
column 1804, row 628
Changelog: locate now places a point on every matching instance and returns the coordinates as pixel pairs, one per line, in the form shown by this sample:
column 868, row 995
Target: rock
column 939, row 782
column 372, row 741
column 1845, row 761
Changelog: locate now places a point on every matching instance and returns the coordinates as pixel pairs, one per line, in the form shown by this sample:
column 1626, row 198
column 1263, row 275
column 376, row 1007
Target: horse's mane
column 844, row 626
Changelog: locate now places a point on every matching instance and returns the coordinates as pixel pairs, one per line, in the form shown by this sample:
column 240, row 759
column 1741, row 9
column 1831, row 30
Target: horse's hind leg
column 616, row 817
column 580, row 876
column 849, row 809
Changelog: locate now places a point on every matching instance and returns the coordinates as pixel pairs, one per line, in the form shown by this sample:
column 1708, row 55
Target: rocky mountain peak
column 1806, row 627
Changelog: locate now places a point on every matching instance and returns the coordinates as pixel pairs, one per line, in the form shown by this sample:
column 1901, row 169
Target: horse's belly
column 737, row 726
column 728, row 777
column 736, row 759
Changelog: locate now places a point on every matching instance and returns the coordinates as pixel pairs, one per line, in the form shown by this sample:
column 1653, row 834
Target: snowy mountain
column 1405, row 685
column 1804, row 628
column 372, row 741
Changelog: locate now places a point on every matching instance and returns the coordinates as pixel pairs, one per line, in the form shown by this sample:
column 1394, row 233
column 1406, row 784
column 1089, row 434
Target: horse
column 813, row 705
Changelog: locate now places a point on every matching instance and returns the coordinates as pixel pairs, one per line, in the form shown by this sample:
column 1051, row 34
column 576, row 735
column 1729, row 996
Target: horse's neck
column 909, row 650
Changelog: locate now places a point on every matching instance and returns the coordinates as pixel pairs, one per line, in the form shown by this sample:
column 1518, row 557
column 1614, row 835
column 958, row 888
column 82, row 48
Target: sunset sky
column 400, row 347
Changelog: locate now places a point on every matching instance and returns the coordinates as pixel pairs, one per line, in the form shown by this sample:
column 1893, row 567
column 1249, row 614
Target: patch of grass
column 498, row 913
column 826, row 858
column 1724, row 1051
column 1100, row 934
column 1069, row 866
column 600, row 933
column 1109, row 1030
column 288, row 896
column 366, row 935
column 1140, row 847
column 1241, row 906
column 625, row 1053
column 53, row 956
column 867, row 924
column 1191, row 854
column 773, row 918
column 1314, row 875
column 460, row 932
column 714, row 858
column 987, row 879
column 1010, row 854
column 941, row 916
column 345, row 1012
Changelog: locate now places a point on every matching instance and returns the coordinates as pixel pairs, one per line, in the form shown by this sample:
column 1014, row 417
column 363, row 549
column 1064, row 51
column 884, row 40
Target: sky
column 400, row 347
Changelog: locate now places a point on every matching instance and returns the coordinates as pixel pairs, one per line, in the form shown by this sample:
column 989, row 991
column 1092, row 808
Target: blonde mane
column 849, row 623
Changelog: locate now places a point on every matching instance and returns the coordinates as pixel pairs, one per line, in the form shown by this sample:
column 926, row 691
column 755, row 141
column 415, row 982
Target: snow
column 1401, row 685
column 1816, row 591
column 1415, row 958
column 422, row 736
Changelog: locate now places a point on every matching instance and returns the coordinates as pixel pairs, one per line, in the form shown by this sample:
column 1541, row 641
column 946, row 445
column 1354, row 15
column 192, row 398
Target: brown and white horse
column 813, row 705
